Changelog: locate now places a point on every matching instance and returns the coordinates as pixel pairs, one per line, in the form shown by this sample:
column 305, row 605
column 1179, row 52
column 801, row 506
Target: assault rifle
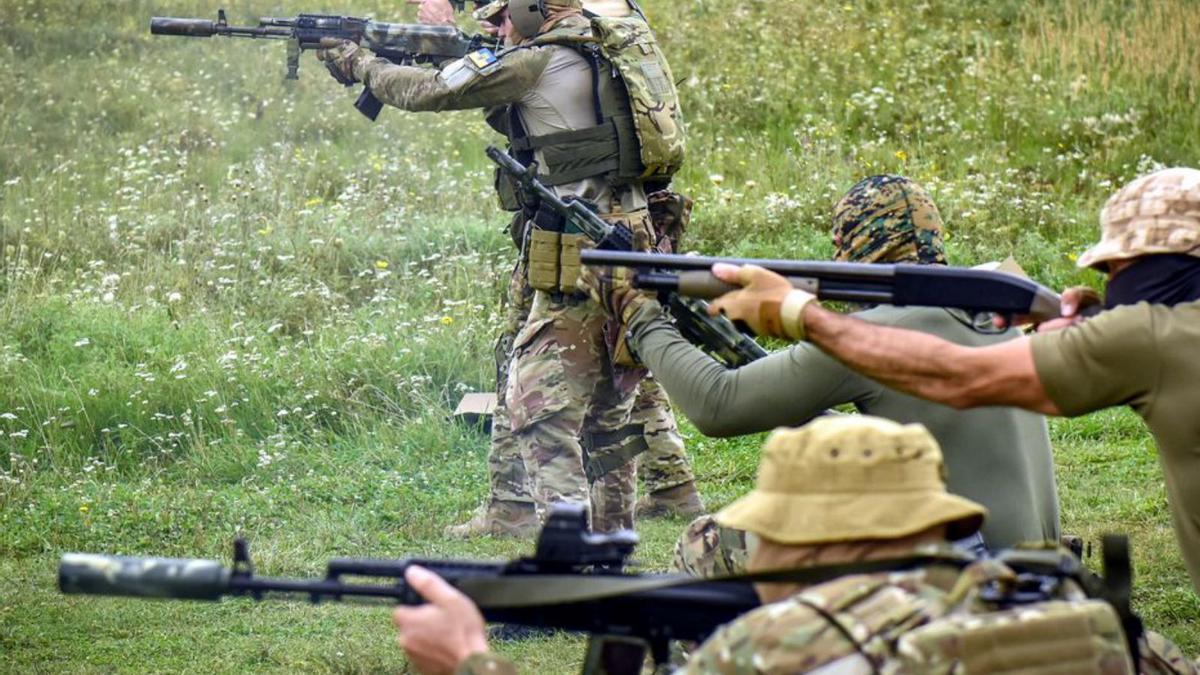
column 402, row 43
column 971, row 290
column 574, row 581
column 715, row 335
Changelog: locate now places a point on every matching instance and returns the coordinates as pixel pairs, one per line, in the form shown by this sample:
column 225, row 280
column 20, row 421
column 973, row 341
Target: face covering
column 1167, row 279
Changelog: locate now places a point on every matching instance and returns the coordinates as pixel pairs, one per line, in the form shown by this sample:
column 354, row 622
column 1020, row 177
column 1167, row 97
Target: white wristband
column 791, row 311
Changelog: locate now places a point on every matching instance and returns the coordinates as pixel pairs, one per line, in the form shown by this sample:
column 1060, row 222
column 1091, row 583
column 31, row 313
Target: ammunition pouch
column 554, row 247
column 1054, row 636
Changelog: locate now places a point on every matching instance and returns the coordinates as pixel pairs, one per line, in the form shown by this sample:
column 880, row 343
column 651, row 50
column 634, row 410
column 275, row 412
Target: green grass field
column 232, row 306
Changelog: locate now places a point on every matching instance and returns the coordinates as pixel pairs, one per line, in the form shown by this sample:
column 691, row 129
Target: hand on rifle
column 767, row 302
column 612, row 288
column 343, row 60
column 441, row 634
column 434, row 12
column 1078, row 304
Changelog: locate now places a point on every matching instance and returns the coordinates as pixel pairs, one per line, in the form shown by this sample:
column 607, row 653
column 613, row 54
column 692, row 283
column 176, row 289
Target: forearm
column 719, row 401
column 929, row 367
column 407, row 87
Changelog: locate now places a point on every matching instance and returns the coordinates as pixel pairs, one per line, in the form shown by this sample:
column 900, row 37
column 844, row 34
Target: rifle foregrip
column 166, row 25
column 91, row 574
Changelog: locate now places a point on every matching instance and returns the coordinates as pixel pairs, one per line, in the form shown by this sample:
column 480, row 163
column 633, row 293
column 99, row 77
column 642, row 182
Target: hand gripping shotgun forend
column 715, row 335
column 401, row 43
column 576, row 581
column 971, row 290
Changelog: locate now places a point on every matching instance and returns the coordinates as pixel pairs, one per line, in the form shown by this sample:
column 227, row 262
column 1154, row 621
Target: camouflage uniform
column 567, row 401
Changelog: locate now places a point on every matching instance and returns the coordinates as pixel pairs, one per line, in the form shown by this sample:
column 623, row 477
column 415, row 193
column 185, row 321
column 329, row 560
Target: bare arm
column 930, row 367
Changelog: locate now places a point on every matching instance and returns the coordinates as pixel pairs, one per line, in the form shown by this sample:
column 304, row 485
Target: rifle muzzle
column 166, row 25
column 91, row 574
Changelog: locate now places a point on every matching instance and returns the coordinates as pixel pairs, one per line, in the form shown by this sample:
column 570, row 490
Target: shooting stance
column 1141, row 351
column 593, row 103
column 851, row 491
column 999, row 457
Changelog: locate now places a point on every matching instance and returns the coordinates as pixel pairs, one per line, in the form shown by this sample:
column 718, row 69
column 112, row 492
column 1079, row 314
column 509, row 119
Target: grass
column 231, row 306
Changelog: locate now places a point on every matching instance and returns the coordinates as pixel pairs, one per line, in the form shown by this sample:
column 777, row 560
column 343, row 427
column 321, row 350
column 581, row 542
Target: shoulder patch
column 483, row 59
column 477, row 64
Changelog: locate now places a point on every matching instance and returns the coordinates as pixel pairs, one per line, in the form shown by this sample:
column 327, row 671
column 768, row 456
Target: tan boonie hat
column 489, row 11
column 849, row 478
column 1158, row 213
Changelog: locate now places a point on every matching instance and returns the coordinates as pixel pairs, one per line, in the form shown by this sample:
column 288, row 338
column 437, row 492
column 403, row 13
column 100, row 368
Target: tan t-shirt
column 1147, row 357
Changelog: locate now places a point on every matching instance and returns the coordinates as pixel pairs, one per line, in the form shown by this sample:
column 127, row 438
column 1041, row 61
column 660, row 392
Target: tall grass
column 232, row 305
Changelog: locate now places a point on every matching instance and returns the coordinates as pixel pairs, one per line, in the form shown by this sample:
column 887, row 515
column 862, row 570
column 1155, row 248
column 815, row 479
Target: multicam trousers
column 662, row 466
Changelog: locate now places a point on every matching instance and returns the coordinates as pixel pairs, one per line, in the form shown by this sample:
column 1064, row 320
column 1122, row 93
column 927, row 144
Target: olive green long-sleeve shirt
column 999, row 457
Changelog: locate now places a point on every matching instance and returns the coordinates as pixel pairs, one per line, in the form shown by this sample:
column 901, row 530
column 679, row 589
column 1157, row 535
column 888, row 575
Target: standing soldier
column 593, row 103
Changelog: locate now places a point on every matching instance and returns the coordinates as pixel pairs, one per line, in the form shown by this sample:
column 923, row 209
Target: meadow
column 231, row 306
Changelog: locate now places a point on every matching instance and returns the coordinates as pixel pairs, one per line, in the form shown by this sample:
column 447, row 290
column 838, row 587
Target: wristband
column 791, row 313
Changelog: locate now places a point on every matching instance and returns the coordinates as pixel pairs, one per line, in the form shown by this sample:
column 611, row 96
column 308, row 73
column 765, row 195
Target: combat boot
column 500, row 518
column 681, row 500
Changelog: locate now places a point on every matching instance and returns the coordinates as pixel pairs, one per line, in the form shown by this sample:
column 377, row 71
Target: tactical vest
column 980, row 626
column 639, row 132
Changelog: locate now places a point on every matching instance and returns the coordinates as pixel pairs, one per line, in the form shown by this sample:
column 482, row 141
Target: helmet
column 888, row 219
column 1158, row 213
column 850, row 478
column 529, row 15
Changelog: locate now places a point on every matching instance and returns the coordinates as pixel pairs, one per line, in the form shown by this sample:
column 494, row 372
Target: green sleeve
column 788, row 387
column 1106, row 361
column 486, row 663
column 457, row 86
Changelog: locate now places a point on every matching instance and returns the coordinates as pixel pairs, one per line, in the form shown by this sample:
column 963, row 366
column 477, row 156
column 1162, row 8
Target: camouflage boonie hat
column 850, row 478
column 489, row 12
column 1158, row 213
column 887, row 219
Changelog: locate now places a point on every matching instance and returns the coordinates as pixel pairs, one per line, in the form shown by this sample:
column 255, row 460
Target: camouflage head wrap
column 850, row 478
column 490, row 12
column 888, row 219
column 1155, row 214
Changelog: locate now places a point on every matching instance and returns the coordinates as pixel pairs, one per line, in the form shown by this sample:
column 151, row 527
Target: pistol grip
column 368, row 105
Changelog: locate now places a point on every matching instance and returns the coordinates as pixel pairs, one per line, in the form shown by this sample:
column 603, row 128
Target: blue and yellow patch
column 482, row 58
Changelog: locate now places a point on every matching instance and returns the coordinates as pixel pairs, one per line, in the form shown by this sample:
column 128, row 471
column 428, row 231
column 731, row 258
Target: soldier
column 601, row 120
column 1141, row 351
column 999, row 457
column 845, row 490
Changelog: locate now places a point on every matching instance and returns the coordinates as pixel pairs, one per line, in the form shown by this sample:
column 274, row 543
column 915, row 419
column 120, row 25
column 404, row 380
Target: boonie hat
column 888, row 218
column 1157, row 213
column 848, row 478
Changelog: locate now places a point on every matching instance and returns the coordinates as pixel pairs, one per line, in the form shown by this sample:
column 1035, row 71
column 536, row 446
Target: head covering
column 1157, row 213
column 491, row 11
column 850, row 478
column 888, row 219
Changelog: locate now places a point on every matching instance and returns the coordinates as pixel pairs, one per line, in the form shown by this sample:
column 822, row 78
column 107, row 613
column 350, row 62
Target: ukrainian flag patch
column 482, row 59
